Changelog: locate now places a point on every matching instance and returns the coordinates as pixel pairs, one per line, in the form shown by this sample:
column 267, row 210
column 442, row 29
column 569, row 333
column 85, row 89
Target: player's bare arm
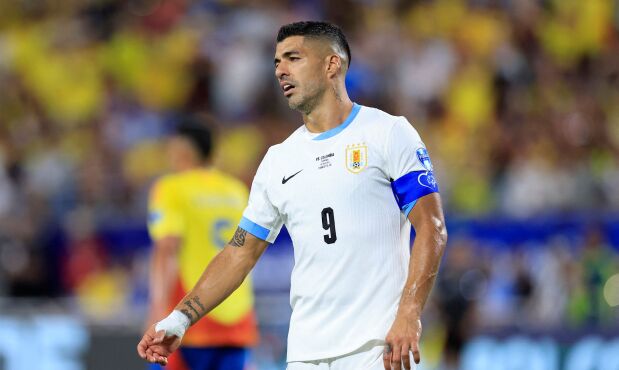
column 221, row 277
column 431, row 237
column 241, row 253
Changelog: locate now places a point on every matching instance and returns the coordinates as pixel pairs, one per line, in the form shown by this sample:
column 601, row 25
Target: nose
column 281, row 71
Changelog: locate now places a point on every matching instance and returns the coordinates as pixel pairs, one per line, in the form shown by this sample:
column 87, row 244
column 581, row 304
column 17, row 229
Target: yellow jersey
column 203, row 208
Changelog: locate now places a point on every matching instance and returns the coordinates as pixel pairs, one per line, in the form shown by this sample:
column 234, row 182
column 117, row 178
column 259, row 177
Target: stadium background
column 517, row 100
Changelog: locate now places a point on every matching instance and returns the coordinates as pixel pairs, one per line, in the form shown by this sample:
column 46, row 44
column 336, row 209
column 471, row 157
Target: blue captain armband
column 412, row 186
column 254, row 229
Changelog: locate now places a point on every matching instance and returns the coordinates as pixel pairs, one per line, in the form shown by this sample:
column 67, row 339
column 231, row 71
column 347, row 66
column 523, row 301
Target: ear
column 334, row 65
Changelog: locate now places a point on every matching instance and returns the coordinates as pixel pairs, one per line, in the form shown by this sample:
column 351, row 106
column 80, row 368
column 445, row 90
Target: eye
column 294, row 58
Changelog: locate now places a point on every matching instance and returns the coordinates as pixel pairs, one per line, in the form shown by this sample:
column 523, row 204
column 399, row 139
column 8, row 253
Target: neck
column 190, row 165
column 329, row 113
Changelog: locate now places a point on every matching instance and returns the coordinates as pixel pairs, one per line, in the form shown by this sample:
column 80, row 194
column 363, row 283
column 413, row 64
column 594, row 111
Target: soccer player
column 192, row 212
column 345, row 184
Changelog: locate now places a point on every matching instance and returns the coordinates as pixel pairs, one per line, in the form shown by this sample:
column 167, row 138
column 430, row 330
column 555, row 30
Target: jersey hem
column 331, row 355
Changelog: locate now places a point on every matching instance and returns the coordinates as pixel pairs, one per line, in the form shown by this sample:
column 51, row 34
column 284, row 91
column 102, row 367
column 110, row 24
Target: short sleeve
column 164, row 213
column 409, row 166
column 261, row 218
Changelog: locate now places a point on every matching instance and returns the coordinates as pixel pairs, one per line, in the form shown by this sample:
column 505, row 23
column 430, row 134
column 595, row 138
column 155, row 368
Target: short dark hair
column 316, row 29
column 197, row 131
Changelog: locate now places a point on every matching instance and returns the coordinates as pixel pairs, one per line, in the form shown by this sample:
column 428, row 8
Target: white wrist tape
column 175, row 324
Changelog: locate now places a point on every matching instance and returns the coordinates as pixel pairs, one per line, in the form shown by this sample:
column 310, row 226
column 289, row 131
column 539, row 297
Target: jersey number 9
column 328, row 223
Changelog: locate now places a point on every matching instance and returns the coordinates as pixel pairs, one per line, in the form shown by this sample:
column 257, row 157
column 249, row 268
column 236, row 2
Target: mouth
column 287, row 88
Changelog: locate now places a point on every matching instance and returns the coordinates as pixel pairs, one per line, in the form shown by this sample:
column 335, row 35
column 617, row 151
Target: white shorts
column 368, row 357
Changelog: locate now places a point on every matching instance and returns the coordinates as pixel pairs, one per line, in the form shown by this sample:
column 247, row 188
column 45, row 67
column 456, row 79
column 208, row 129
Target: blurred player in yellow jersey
column 192, row 213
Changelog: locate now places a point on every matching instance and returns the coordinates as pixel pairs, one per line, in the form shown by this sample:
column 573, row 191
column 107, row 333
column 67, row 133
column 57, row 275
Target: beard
column 305, row 102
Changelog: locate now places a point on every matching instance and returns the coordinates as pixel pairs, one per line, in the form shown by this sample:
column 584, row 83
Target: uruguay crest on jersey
column 356, row 157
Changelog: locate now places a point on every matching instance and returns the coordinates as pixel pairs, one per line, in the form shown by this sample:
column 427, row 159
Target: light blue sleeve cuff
column 254, row 229
column 408, row 208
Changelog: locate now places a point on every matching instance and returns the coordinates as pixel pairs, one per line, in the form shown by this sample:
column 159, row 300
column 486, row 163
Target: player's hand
column 155, row 347
column 403, row 338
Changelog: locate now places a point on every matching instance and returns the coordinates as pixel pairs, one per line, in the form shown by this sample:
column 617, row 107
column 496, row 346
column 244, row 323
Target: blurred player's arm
column 166, row 227
column 430, row 241
column 222, row 276
column 163, row 269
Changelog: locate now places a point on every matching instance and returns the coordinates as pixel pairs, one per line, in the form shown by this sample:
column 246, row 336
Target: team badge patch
column 424, row 158
column 356, row 157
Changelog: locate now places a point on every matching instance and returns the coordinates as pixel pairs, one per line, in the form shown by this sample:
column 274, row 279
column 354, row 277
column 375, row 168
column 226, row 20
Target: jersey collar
column 336, row 130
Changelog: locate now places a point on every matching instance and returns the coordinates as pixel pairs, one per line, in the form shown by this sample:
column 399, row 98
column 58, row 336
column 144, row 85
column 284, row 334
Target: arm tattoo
column 238, row 240
column 188, row 314
column 196, row 300
column 194, row 314
column 191, row 307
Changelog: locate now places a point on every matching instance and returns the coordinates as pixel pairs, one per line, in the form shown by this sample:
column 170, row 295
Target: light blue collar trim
column 336, row 130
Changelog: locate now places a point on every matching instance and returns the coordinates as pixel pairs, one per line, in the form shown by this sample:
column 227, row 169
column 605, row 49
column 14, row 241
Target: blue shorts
column 213, row 358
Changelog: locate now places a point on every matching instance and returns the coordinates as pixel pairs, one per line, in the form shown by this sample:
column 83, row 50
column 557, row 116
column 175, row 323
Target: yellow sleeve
column 164, row 211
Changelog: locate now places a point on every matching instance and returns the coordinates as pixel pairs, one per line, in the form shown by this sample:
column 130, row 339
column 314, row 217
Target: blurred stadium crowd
column 517, row 100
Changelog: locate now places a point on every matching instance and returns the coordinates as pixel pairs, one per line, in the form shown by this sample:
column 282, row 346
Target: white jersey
column 344, row 196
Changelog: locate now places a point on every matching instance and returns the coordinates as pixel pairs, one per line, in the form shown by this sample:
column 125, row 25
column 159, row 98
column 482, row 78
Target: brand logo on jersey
column 356, row 157
column 285, row 180
column 424, row 158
